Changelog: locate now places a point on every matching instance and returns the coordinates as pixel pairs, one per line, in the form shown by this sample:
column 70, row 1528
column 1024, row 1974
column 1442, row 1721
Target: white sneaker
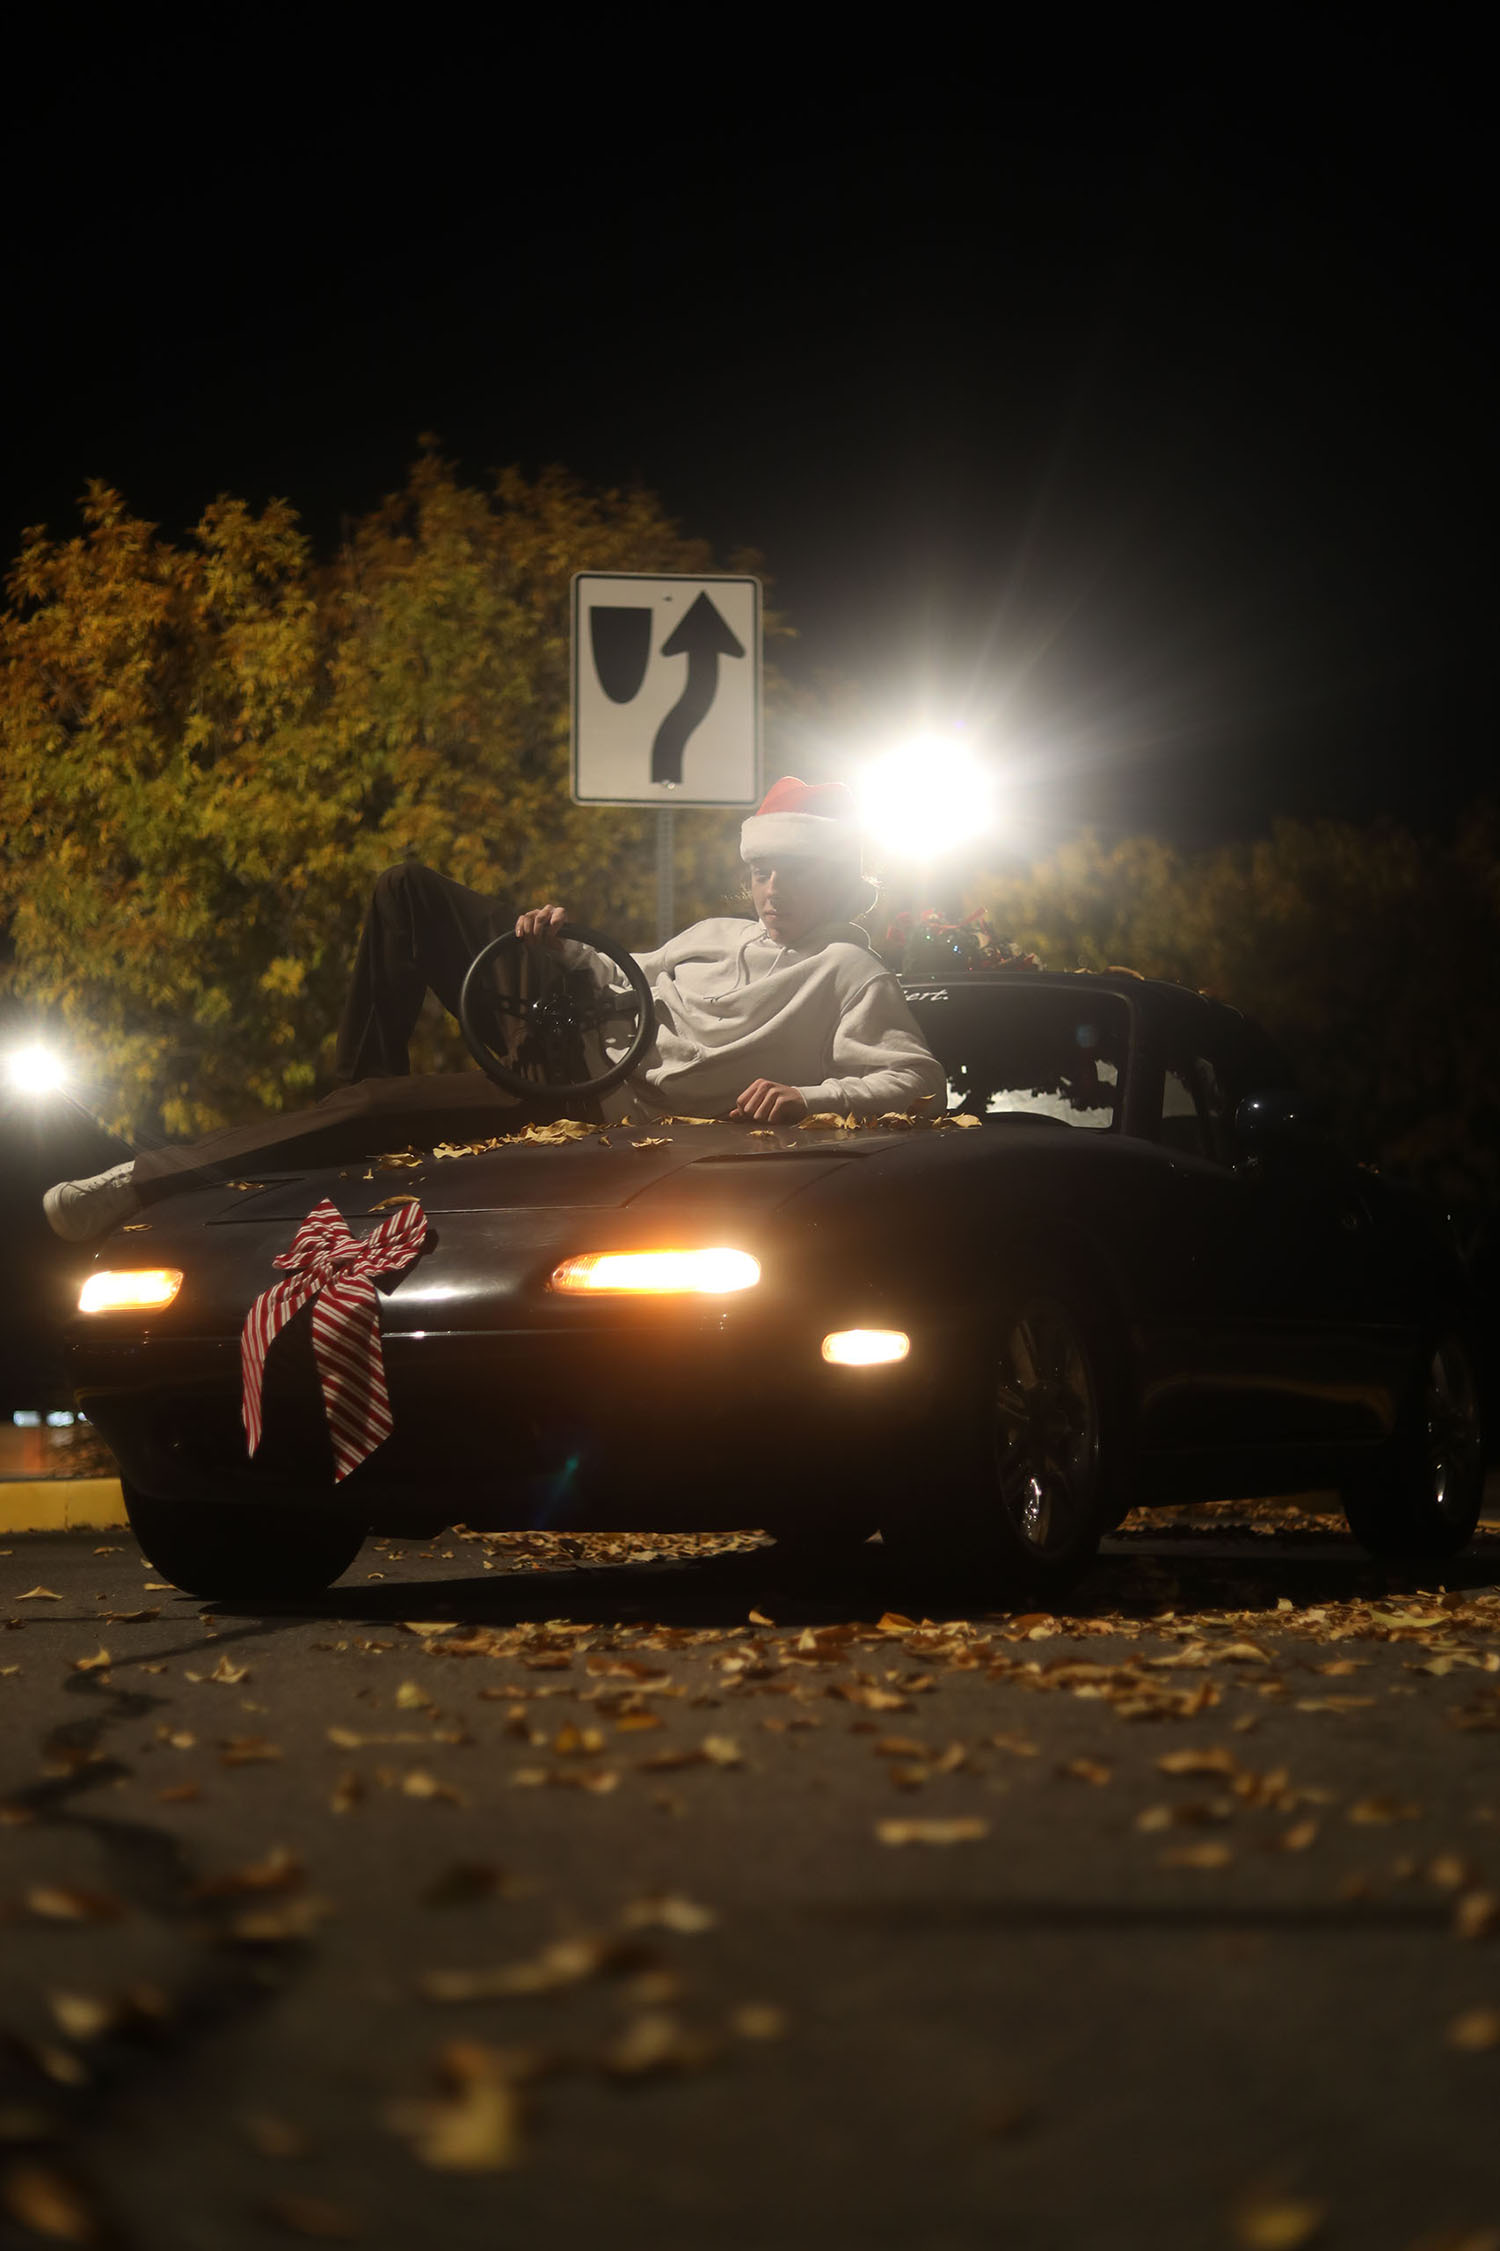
column 78, row 1209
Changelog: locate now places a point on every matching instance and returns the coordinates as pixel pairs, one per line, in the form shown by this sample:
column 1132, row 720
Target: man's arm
column 880, row 1059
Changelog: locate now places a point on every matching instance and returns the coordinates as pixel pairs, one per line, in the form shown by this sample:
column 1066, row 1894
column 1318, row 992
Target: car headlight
column 866, row 1348
column 702, row 1273
column 136, row 1289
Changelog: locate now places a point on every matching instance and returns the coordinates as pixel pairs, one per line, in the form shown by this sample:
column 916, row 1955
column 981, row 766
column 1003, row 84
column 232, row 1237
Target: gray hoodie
column 733, row 1004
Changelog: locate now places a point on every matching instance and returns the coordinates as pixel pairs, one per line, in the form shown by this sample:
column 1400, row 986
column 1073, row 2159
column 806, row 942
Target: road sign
column 666, row 690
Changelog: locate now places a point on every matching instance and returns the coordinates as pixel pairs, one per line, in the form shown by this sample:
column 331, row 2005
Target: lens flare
column 926, row 798
column 35, row 1069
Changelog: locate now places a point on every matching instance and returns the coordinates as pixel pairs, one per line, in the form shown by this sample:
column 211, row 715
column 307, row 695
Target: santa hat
column 804, row 821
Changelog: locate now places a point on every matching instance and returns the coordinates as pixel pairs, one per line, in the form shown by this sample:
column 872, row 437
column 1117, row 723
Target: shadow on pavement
column 1193, row 1571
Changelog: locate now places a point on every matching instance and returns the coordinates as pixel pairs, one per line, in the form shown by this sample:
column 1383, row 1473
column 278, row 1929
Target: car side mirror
column 1280, row 1117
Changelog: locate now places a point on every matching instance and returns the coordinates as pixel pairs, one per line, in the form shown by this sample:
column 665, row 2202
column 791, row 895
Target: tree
column 1365, row 952
column 209, row 749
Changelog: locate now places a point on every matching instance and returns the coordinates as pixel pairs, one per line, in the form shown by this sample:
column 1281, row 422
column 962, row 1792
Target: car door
column 1274, row 1255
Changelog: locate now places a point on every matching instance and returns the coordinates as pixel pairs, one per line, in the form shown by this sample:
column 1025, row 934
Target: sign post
column 666, row 699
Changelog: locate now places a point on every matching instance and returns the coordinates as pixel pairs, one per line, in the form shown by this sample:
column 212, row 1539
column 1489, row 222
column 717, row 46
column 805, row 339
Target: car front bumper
column 682, row 1420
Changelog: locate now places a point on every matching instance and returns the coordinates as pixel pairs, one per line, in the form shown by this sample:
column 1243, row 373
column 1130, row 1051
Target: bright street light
column 926, row 798
column 36, row 1070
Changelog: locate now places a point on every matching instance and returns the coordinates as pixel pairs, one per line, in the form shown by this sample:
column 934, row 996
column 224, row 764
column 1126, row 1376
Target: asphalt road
column 514, row 1896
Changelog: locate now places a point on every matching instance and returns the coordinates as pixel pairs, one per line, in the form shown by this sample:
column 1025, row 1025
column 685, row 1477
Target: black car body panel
column 1267, row 1306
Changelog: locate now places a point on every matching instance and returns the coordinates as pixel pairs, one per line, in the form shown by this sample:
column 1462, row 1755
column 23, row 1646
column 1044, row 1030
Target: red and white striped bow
column 338, row 1270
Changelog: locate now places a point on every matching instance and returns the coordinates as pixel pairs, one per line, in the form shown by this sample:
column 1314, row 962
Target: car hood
column 697, row 1165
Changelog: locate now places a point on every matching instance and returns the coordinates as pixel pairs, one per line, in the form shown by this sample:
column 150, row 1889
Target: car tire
column 1420, row 1497
column 1040, row 1474
column 234, row 1549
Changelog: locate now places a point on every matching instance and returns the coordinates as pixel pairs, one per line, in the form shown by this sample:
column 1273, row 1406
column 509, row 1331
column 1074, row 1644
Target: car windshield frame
column 984, row 997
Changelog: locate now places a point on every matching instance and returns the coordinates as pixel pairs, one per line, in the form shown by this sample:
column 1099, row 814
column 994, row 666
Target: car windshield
column 1029, row 1052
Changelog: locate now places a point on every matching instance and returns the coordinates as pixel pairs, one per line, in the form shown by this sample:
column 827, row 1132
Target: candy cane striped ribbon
column 338, row 1270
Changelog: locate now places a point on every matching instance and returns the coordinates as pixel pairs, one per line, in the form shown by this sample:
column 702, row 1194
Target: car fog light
column 140, row 1289
column 708, row 1273
column 865, row 1348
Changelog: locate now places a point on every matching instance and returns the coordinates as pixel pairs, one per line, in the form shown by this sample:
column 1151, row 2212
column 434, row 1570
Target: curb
column 62, row 1504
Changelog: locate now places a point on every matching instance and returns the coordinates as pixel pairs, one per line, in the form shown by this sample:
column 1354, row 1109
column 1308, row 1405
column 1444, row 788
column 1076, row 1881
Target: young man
column 791, row 1013
column 765, row 1020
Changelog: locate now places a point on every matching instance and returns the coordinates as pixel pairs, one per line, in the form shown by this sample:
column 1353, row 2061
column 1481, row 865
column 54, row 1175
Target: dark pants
column 421, row 932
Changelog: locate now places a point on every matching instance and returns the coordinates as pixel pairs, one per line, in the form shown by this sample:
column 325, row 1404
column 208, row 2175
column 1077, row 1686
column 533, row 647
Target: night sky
column 1148, row 430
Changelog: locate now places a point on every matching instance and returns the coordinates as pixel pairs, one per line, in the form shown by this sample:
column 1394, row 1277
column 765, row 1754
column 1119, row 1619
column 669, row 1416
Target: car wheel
column 242, row 1548
column 1421, row 1496
column 1040, row 1474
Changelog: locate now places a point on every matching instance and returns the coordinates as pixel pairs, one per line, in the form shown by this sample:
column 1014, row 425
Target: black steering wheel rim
column 559, row 1014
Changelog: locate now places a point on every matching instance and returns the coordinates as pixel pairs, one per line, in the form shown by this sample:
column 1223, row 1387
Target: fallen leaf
column 1298, row 1837
column 1207, row 1855
column 966, row 1829
column 1272, row 2221
column 668, row 1911
column 348, row 1792
column 48, row 2204
column 39, row 1594
column 228, row 1675
column 1477, row 1915
column 94, row 1664
column 83, row 2016
column 759, row 1618
column 275, row 1926
column 722, row 1750
column 1374, row 1812
column 1452, row 1871
column 1085, row 1770
column 68, row 1903
column 1209, row 1760
column 178, row 1793
column 758, row 2020
column 411, row 1696
column 281, row 1870
column 655, row 2041
column 475, row 2126
column 566, row 1962
column 248, row 1750
column 1474, row 2030
column 573, row 1742
column 418, row 1783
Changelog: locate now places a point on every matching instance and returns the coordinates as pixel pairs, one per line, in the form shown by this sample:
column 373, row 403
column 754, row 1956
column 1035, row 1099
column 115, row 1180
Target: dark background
column 1141, row 421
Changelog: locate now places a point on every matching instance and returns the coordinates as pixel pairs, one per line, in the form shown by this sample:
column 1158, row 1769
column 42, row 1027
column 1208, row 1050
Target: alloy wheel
column 1450, row 1416
column 1046, row 1427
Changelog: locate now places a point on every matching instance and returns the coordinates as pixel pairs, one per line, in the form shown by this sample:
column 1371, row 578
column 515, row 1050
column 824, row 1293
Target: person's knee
column 396, row 887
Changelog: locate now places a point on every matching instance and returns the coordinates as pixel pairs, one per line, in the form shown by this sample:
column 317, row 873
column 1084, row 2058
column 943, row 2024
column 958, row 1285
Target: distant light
column 138, row 1289
column 27, row 1418
column 59, row 1419
column 707, row 1273
column 35, row 1070
column 866, row 1348
column 927, row 798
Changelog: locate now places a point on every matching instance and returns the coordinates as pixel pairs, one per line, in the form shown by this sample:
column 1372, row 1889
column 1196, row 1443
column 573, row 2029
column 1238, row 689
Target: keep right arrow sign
column 702, row 638
column 666, row 690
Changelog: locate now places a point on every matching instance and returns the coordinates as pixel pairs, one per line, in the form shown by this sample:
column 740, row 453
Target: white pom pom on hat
column 804, row 821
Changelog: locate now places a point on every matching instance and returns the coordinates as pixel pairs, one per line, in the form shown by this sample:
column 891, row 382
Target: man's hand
column 770, row 1103
column 542, row 922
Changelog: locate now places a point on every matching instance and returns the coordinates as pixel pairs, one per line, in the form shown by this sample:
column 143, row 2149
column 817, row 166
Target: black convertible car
column 1125, row 1267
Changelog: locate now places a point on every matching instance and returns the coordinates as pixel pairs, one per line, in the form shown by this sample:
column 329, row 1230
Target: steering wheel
column 552, row 1018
